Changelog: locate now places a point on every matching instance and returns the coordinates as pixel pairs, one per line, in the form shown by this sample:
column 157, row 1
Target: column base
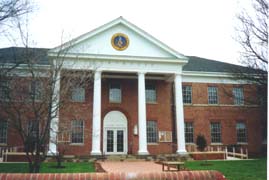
column 51, row 153
column 143, row 153
column 182, row 152
column 96, row 153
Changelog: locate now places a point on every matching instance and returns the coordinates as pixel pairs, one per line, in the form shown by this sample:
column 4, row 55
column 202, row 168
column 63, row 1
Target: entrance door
column 115, row 141
column 115, row 132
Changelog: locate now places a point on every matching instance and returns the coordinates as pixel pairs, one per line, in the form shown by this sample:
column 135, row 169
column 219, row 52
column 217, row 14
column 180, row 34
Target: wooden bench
column 179, row 165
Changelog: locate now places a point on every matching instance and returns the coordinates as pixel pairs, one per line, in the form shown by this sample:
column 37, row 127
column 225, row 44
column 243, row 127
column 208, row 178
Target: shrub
column 201, row 142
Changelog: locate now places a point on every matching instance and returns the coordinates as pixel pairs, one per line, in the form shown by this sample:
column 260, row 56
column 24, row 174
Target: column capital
column 141, row 72
column 177, row 74
column 97, row 71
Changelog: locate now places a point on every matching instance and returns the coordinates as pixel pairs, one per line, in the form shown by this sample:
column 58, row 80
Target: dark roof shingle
column 20, row 55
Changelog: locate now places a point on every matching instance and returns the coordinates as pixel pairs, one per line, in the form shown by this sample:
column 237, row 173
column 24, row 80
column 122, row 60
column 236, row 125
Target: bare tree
column 12, row 12
column 252, row 35
column 30, row 100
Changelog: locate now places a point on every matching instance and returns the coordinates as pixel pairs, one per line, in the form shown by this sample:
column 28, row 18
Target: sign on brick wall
column 165, row 136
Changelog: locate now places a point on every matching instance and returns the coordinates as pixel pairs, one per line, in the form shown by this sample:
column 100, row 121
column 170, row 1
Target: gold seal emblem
column 120, row 41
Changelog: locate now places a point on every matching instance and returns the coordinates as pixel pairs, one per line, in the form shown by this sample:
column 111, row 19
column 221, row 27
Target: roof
column 198, row 64
column 22, row 55
column 124, row 26
column 207, row 65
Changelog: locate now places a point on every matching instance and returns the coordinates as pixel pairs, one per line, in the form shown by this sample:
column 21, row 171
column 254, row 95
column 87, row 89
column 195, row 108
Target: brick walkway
column 135, row 167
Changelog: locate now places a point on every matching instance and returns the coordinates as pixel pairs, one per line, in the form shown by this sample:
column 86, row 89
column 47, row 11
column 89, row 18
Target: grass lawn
column 234, row 170
column 70, row 167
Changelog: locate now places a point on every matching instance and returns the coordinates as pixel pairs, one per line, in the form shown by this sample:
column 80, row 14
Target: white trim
column 96, row 115
column 114, row 57
column 55, row 114
column 142, row 124
column 125, row 140
column 216, row 144
column 179, row 112
column 109, row 25
column 224, row 105
column 120, row 123
column 211, row 77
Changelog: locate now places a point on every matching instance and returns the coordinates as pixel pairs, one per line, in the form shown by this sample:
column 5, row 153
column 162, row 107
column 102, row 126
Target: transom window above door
column 115, row 93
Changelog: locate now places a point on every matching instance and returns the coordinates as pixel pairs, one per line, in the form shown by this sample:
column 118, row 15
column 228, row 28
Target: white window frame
column 241, row 126
column 32, row 132
column 189, row 132
column 114, row 93
column 212, row 95
column 238, row 94
column 36, row 90
column 152, row 134
column 151, row 93
column 215, row 132
column 73, row 125
column 187, row 94
column 78, row 94
column 3, row 133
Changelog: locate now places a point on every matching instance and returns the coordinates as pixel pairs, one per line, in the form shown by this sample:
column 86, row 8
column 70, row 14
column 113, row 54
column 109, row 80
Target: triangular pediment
column 100, row 42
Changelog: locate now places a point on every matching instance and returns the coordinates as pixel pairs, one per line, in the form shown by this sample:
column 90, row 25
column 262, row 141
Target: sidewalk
column 134, row 167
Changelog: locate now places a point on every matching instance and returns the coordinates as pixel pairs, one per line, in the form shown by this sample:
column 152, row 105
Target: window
column 4, row 90
column 3, row 132
column 215, row 132
column 241, row 132
column 189, row 132
column 187, row 94
column 77, row 134
column 78, row 94
column 115, row 93
column 32, row 129
column 151, row 96
column 151, row 131
column 36, row 90
column 212, row 95
column 238, row 96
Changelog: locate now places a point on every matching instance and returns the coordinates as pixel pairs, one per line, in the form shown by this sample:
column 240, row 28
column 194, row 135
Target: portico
column 145, row 56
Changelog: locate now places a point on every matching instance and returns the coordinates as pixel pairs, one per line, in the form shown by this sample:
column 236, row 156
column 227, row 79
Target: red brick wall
column 207, row 156
column 160, row 112
column 200, row 113
column 208, row 175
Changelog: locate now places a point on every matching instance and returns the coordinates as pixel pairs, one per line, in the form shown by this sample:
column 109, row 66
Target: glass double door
column 115, row 141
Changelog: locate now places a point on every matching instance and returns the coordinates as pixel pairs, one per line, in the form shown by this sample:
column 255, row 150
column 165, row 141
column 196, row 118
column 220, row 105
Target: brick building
column 145, row 98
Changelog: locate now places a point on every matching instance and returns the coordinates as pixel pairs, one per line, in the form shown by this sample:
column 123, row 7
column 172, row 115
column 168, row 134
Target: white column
column 179, row 115
column 55, row 104
column 96, row 118
column 142, row 124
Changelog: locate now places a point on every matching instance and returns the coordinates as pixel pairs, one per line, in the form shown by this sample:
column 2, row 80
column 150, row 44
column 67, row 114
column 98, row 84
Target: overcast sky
column 204, row 28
